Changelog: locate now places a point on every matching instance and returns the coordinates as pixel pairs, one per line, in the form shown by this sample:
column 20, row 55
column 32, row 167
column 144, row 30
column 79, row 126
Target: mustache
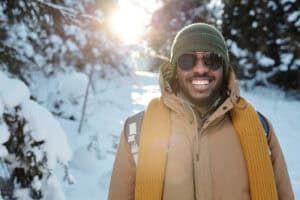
column 205, row 75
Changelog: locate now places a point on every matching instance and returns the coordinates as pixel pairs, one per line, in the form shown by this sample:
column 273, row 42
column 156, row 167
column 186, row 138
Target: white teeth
column 200, row 82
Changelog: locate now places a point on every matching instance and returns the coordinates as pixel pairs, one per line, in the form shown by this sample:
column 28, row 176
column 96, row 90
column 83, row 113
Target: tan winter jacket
column 217, row 173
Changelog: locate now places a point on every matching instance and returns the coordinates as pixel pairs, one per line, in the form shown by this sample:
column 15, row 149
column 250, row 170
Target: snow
column 272, row 5
column 236, row 50
column 40, row 125
column 71, row 45
column 75, row 31
column 293, row 16
column 12, row 91
column 94, row 149
column 23, row 194
column 254, row 24
column 36, row 184
column 252, row 13
column 264, row 60
column 109, row 103
column 233, row 32
column 3, row 17
column 43, row 126
column 54, row 190
column 73, row 85
column 286, row 58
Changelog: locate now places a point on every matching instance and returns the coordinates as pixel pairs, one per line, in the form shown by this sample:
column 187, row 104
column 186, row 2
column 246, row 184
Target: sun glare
column 129, row 20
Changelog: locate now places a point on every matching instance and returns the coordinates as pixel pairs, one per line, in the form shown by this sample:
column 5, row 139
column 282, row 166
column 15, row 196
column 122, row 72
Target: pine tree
column 32, row 142
column 263, row 37
column 55, row 35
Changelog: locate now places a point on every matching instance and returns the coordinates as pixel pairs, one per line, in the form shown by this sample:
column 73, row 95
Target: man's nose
column 200, row 67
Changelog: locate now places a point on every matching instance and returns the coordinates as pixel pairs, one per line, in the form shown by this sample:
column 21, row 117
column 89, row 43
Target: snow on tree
column 263, row 37
column 32, row 144
column 50, row 37
column 58, row 37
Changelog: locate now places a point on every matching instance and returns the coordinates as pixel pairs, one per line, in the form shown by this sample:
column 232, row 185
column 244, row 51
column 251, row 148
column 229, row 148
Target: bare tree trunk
column 85, row 100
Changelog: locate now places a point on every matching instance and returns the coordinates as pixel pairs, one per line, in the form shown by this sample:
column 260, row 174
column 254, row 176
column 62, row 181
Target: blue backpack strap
column 264, row 123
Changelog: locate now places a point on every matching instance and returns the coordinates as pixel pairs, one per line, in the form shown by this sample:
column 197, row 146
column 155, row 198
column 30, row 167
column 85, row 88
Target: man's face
column 200, row 84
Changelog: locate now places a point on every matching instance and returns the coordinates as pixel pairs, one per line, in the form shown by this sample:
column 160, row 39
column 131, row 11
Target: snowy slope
column 121, row 97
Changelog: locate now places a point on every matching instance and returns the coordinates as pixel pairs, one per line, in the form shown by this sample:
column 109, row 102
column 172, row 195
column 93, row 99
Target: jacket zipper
column 196, row 158
column 196, row 162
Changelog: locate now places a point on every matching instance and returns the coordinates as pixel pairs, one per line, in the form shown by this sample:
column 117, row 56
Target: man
column 199, row 140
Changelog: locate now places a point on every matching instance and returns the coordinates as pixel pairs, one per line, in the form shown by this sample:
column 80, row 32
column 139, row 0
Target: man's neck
column 203, row 108
column 203, row 111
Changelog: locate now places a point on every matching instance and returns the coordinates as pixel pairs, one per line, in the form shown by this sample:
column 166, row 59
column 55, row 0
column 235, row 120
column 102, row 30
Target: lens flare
column 128, row 22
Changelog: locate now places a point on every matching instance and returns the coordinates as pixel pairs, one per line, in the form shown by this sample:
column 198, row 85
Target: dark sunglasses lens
column 213, row 61
column 186, row 61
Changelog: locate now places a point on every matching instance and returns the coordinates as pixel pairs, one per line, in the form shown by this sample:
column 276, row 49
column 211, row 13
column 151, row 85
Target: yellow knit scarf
column 154, row 146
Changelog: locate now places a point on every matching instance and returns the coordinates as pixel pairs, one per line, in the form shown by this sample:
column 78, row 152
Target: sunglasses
column 188, row 60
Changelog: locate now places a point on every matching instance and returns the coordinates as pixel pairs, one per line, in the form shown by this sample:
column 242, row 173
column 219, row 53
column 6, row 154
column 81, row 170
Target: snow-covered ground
column 107, row 111
column 111, row 101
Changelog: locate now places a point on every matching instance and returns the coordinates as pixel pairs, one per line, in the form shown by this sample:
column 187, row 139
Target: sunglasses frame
column 206, row 59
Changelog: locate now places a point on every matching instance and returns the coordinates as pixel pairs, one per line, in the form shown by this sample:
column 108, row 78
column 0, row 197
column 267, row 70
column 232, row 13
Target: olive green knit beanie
column 199, row 37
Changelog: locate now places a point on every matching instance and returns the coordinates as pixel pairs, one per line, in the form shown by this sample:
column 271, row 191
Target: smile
column 201, row 84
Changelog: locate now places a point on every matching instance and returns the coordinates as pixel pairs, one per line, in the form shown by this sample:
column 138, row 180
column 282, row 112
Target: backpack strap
column 264, row 123
column 263, row 120
column 132, row 131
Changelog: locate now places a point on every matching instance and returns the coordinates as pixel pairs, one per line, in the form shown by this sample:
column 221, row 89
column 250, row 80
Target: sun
column 128, row 23
column 129, row 20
